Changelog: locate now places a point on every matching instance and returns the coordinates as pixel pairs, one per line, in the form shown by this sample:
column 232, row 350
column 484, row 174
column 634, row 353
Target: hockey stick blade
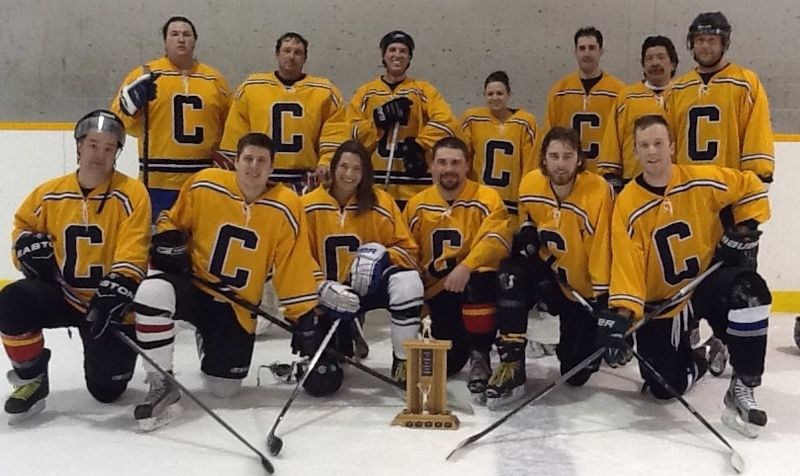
column 677, row 297
column 456, row 403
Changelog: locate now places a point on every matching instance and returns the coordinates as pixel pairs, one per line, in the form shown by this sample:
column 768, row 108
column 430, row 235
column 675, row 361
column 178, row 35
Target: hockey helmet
column 101, row 120
column 710, row 23
column 397, row 36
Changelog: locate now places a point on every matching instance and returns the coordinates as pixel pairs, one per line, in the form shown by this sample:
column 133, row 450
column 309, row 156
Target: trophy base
column 445, row 421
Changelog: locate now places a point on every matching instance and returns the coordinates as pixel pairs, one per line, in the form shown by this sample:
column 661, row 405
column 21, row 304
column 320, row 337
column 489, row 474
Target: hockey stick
column 146, row 139
column 736, row 460
column 457, row 403
column 275, row 443
column 677, row 297
column 392, row 149
column 91, row 316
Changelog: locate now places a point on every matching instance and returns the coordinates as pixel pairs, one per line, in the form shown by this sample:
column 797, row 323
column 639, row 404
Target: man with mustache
column 584, row 98
column 659, row 62
column 566, row 231
column 463, row 232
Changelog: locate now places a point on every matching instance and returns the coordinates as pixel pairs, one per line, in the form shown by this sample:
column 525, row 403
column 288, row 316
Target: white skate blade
column 506, row 399
column 731, row 419
column 171, row 413
column 17, row 418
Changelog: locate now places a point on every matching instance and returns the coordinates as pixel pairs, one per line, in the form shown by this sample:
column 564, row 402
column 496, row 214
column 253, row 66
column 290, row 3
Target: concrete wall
column 40, row 155
column 61, row 59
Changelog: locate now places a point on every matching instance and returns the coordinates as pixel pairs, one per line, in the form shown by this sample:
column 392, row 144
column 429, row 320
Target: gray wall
column 60, row 59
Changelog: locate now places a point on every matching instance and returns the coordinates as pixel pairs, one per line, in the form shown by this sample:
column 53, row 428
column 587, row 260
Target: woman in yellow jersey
column 501, row 140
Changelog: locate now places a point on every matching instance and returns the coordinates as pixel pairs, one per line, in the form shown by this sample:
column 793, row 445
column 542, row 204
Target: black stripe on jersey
column 641, row 211
column 567, row 92
column 403, row 252
column 735, row 82
column 600, row 288
column 621, row 108
column 181, row 73
column 697, row 183
column 417, row 91
column 745, row 158
column 753, row 197
column 320, row 207
column 603, row 92
column 129, row 266
column 688, row 84
column 511, row 206
column 62, row 196
column 413, row 221
column 640, row 96
column 283, row 208
column 54, row 197
column 382, row 211
column 499, row 238
column 470, row 119
column 582, row 214
column 538, row 199
column 216, row 188
column 609, row 165
column 299, row 299
column 525, row 125
column 626, row 297
column 432, row 208
column 186, row 166
column 126, row 202
column 401, row 178
column 472, row 204
column 441, row 126
column 370, row 93
column 287, row 175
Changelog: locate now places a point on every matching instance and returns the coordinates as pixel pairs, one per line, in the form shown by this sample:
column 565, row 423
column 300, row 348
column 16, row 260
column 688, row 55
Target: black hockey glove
column 611, row 328
column 393, row 112
column 170, row 253
column 110, row 302
column 599, row 303
column 35, row 255
column 307, row 335
column 414, row 158
column 138, row 93
column 739, row 247
column 525, row 241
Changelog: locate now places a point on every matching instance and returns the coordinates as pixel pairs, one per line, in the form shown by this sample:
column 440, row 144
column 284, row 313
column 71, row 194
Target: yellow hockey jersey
column 568, row 105
column 89, row 241
column 575, row 233
column 616, row 152
column 724, row 123
column 430, row 120
column 336, row 232
column 659, row 243
column 502, row 152
column 305, row 120
column 240, row 244
column 473, row 230
column 185, row 120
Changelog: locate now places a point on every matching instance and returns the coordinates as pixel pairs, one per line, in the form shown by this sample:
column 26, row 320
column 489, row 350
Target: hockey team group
column 625, row 195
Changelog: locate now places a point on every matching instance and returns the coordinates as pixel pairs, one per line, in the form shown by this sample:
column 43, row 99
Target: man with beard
column 659, row 61
column 567, row 213
column 583, row 99
column 719, row 111
column 463, row 232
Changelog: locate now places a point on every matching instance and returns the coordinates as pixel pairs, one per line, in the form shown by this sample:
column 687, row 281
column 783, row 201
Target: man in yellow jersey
column 719, row 111
column 303, row 114
column 176, row 106
column 665, row 231
column 463, row 233
column 81, row 242
column 232, row 229
column 413, row 106
column 659, row 61
column 583, row 99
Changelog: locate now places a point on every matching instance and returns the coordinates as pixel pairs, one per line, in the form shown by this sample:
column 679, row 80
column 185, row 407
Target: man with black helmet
column 412, row 107
column 719, row 110
column 81, row 242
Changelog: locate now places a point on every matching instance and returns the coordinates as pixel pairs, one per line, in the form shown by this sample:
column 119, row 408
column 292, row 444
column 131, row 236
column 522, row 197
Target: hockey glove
column 35, row 255
column 367, row 268
column 739, row 247
column 307, row 335
column 110, row 302
column 525, row 241
column 170, row 253
column 393, row 112
column 138, row 93
column 611, row 328
column 414, row 158
column 338, row 301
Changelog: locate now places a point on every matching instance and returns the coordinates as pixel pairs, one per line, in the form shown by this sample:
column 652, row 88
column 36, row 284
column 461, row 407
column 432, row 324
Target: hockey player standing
column 81, row 242
column 186, row 103
column 666, row 230
column 463, row 231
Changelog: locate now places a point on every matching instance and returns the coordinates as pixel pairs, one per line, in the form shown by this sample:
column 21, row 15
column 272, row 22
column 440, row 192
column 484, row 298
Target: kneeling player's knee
column 222, row 387
column 749, row 289
column 13, row 309
column 325, row 379
column 106, row 392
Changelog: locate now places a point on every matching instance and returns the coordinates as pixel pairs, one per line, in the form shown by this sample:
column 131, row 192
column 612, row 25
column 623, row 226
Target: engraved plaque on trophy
column 426, row 384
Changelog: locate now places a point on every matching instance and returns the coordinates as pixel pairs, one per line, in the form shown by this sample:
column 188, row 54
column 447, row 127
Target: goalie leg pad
column 405, row 289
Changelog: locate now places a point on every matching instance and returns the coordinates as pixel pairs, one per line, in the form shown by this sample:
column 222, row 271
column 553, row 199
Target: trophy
column 426, row 383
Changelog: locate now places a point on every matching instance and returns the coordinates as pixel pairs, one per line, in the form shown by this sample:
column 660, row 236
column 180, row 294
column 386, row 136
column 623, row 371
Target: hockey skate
column 28, row 397
column 158, row 407
column 741, row 411
column 479, row 372
column 507, row 383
